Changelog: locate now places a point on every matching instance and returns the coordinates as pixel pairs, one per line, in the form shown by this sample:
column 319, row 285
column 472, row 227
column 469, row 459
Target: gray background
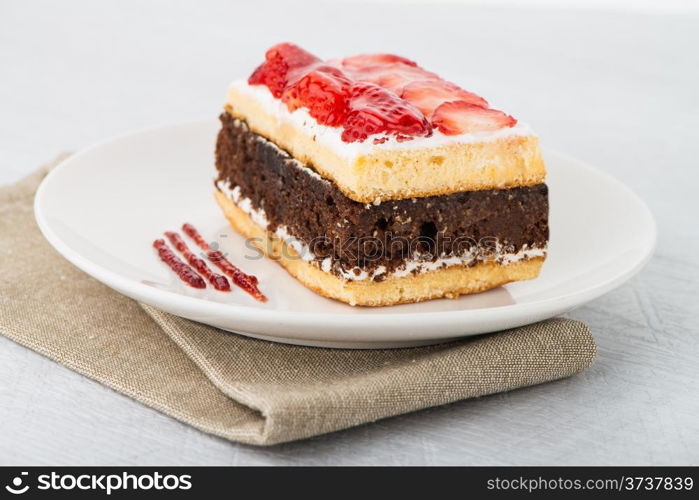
column 615, row 88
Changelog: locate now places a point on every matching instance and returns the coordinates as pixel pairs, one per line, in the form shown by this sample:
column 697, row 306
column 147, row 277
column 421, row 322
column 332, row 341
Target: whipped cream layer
column 409, row 267
column 330, row 137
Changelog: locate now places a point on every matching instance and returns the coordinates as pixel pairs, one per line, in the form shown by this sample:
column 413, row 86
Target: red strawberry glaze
column 182, row 270
column 245, row 281
column 218, row 281
column 374, row 95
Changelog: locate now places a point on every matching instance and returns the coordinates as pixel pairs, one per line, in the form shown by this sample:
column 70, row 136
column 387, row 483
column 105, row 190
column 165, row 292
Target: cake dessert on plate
column 376, row 182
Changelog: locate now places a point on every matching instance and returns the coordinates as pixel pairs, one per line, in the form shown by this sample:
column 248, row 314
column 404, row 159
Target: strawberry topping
column 461, row 117
column 360, row 62
column 325, row 91
column 427, row 95
column 375, row 110
column 282, row 62
column 374, row 95
column 393, row 76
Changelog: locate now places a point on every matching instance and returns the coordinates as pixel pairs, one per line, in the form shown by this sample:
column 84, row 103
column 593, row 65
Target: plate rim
column 295, row 318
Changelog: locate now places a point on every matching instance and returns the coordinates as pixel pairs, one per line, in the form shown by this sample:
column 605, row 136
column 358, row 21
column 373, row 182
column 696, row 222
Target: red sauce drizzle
column 218, row 281
column 182, row 270
column 245, row 281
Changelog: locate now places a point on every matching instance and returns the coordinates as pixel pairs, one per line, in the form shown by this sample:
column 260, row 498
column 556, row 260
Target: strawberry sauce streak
column 182, row 270
column 218, row 281
column 245, row 281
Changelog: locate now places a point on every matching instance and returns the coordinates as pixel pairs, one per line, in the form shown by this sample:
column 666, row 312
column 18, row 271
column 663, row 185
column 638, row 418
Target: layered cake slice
column 376, row 182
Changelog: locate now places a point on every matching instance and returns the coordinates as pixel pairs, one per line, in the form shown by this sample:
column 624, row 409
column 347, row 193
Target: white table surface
column 616, row 89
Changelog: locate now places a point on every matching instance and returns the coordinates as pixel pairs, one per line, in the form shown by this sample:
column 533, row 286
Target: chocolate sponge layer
column 376, row 238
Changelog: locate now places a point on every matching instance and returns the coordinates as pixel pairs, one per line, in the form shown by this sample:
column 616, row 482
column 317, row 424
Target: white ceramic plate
column 103, row 207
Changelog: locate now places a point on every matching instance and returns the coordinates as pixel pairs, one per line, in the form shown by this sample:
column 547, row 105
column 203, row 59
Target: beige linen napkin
column 239, row 388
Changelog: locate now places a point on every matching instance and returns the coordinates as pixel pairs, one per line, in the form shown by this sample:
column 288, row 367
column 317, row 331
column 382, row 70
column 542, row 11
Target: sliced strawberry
column 365, row 60
column 324, row 91
column 461, row 117
column 282, row 64
column 427, row 95
column 375, row 110
column 393, row 76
